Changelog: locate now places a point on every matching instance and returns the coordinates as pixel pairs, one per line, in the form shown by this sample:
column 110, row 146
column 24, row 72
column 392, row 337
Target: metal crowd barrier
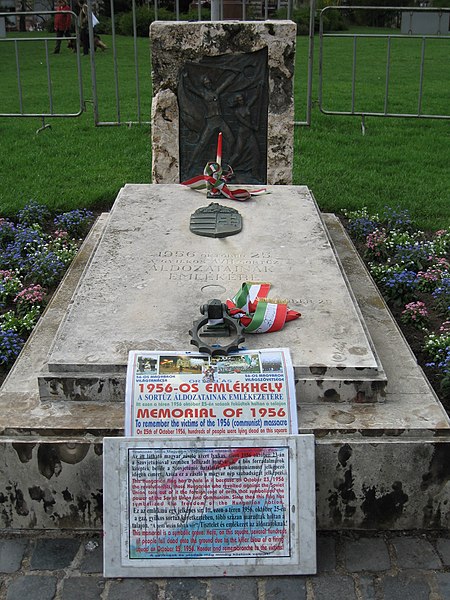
column 385, row 112
column 17, row 41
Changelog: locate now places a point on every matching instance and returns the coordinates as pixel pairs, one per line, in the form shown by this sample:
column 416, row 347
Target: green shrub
column 300, row 16
column 104, row 27
column 144, row 17
column 332, row 20
column 192, row 15
column 164, row 14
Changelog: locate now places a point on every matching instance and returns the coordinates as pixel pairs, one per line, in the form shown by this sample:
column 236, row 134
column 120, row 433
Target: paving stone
column 366, row 554
column 285, row 588
column 367, row 587
column 333, row 587
column 443, row 582
column 92, row 561
column 85, row 588
column 415, row 553
column 443, row 547
column 53, row 554
column 326, row 554
column 234, row 588
column 405, row 587
column 133, row 588
column 11, row 555
column 185, row 589
column 35, row 587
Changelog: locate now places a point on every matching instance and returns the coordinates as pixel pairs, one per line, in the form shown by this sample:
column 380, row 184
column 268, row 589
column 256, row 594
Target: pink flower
column 416, row 311
column 33, row 294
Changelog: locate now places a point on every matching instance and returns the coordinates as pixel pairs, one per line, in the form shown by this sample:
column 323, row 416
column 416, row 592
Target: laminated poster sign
column 223, row 505
column 185, row 393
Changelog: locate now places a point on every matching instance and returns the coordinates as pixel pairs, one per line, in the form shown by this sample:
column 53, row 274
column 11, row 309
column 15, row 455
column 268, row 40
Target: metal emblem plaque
column 215, row 221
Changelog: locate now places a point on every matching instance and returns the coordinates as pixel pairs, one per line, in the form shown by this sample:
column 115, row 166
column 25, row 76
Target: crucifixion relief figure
column 214, row 121
column 229, row 94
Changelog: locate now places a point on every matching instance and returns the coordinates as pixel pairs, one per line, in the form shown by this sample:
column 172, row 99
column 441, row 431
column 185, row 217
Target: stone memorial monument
column 234, row 77
column 382, row 439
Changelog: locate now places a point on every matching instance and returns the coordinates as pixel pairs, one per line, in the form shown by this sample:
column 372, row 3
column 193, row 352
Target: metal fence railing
column 265, row 7
column 439, row 25
column 17, row 43
column 220, row 9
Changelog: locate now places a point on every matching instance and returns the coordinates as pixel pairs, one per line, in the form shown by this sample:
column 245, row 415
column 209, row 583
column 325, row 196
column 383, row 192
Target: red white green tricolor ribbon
column 215, row 179
column 256, row 312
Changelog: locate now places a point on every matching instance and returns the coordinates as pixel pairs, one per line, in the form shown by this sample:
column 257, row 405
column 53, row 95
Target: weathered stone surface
column 92, row 561
column 416, row 554
column 165, row 133
column 330, row 587
column 380, row 483
column 143, row 285
column 443, row 547
column 137, row 588
column 231, row 588
column 443, row 584
column 368, row 456
column 175, row 43
column 285, row 588
column 185, row 589
column 366, row 555
column 88, row 588
column 326, row 553
column 407, row 587
column 38, row 587
column 51, row 485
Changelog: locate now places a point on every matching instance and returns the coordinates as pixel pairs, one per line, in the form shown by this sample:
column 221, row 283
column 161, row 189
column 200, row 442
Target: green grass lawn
column 402, row 162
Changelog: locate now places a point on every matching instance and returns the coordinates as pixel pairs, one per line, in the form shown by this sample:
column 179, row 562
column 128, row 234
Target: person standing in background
column 84, row 26
column 62, row 23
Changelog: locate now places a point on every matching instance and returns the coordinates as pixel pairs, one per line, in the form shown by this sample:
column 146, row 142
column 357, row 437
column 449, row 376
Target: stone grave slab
column 149, row 276
column 234, row 506
column 144, row 286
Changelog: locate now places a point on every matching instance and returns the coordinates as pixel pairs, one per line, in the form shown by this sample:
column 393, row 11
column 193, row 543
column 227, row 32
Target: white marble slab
column 149, row 276
column 233, row 506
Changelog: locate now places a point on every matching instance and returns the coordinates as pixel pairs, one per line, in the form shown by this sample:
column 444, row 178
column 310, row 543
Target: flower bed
column 35, row 251
column 412, row 270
